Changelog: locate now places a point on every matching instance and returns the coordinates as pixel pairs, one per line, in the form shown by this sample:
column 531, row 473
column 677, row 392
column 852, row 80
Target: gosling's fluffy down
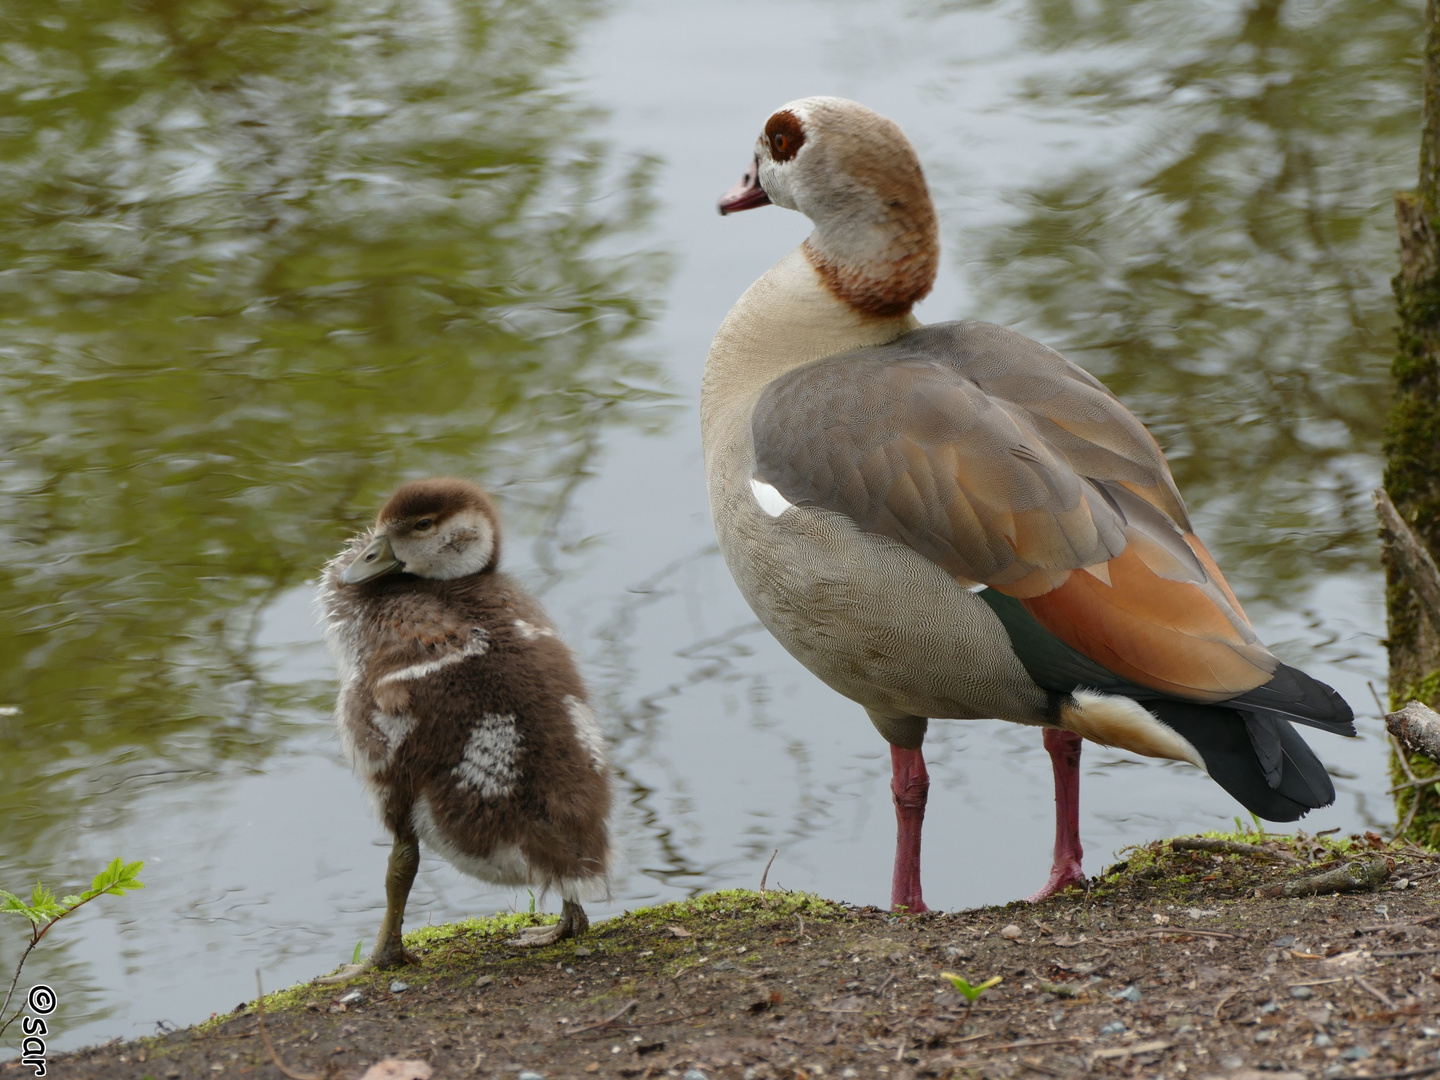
column 460, row 708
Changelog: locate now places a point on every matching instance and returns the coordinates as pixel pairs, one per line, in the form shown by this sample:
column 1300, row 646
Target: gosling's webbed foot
column 391, row 954
column 572, row 924
column 345, row 974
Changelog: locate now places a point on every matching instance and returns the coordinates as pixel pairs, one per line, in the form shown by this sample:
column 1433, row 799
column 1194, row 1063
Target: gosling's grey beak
column 375, row 561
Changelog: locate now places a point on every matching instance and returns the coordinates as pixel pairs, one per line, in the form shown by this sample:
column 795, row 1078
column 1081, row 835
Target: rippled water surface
column 261, row 261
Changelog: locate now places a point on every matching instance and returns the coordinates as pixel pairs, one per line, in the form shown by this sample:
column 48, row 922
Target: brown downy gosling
column 462, row 711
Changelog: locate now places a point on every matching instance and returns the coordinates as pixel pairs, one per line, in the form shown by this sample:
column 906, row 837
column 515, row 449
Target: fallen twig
column 632, row 1003
column 1231, row 847
column 1407, row 952
column 1154, row 1046
column 1374, row 992
column 1219, row 1005
column 664, row 1020
column 1376, row 928
column 1360, row 875
column 265, row 1037
column 1026, row 1043
column 1417, row 727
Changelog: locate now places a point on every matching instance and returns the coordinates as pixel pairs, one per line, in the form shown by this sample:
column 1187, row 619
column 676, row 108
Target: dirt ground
column 1170, row 965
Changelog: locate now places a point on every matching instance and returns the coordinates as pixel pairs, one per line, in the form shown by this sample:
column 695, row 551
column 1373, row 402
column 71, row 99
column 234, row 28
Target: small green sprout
column 532, row 900
column 971, row 992
column 44, row 911
column 355, row 956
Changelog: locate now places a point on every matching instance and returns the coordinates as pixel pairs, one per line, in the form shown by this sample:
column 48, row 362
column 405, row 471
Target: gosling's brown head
column 441, row 528
column 855, row 175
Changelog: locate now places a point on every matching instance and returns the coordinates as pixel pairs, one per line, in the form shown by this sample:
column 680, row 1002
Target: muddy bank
column 1170, row 965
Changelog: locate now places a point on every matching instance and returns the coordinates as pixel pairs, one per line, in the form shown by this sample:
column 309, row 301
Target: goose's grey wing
column 1008, row 466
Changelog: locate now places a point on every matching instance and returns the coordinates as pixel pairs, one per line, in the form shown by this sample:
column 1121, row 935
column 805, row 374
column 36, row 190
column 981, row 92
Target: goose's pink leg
column 1064, row 748
column 910, row 784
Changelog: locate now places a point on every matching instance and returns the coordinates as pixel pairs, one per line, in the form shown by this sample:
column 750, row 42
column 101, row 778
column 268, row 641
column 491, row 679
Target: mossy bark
column 1412, row 445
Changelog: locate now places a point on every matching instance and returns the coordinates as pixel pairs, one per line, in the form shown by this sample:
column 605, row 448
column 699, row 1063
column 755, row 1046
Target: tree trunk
column 1412, row 447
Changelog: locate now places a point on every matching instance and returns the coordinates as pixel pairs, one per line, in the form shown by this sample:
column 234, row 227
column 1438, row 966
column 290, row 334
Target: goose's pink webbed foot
column 1065, row 870
column 910, row 785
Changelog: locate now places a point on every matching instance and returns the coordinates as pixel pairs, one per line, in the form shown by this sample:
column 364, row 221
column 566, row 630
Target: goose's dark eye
column 423, row 524
column 780, row 140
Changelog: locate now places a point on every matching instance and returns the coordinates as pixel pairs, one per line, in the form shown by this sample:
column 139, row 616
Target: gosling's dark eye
column 423, row 524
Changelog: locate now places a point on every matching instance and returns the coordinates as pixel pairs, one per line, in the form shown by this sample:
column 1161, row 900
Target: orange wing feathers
column 1178, row 637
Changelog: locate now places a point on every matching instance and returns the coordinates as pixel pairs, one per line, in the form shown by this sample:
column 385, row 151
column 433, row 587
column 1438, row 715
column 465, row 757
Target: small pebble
column 581, row 950
column 398, row 987
column 1355, row 1053
column 1284, row 941
column 1268, row 1035
column 694, row 1074
column 1304, row 993
column 1324, row 1041
column 484, row 980
column 1130, row 993
column 723, row 965
column 530, row 1074
column 353, row 997
column 1269, row 1007
column 1011, row 933
column 1116, row 1027
column 1231, row 1062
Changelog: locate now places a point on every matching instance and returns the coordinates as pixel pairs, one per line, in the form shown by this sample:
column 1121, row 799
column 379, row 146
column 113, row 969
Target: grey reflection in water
column 1228, row 274
column 261, row 261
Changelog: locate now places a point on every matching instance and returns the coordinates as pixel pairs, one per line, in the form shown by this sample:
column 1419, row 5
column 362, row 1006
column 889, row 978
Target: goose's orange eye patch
column 785, row 134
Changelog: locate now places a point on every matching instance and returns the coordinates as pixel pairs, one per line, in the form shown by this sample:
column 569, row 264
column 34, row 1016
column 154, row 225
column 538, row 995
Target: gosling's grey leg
column 389, row 950
column 572, row 924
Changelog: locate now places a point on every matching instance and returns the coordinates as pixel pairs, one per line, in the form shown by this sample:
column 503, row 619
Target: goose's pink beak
column 747, row 194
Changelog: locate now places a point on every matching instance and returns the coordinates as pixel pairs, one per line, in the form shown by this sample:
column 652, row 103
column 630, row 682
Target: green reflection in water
column 262, row 260
column 1228, row 274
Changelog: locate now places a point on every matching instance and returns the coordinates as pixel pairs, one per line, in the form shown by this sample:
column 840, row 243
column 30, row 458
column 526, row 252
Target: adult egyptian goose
column 954, row 521
column 462, row 712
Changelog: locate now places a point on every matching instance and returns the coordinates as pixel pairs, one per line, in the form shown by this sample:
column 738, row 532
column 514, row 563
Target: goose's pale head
column 439, row 528
column 855, row 175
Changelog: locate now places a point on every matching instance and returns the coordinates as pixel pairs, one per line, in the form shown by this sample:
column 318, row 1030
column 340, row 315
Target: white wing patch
column 529, row 631
column 478, row 645
column 488, row 765
column 393, row 729
column 587, row 730
column 770, row 500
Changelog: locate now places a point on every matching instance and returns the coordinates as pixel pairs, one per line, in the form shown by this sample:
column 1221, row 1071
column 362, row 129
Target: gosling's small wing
column 420, row 636
column 1008, row 466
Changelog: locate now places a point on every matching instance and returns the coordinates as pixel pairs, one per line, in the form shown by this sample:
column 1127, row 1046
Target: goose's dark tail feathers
column 1254, row 755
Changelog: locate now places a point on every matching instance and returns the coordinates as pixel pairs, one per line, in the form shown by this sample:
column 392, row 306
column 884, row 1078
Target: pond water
column 261, row 262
